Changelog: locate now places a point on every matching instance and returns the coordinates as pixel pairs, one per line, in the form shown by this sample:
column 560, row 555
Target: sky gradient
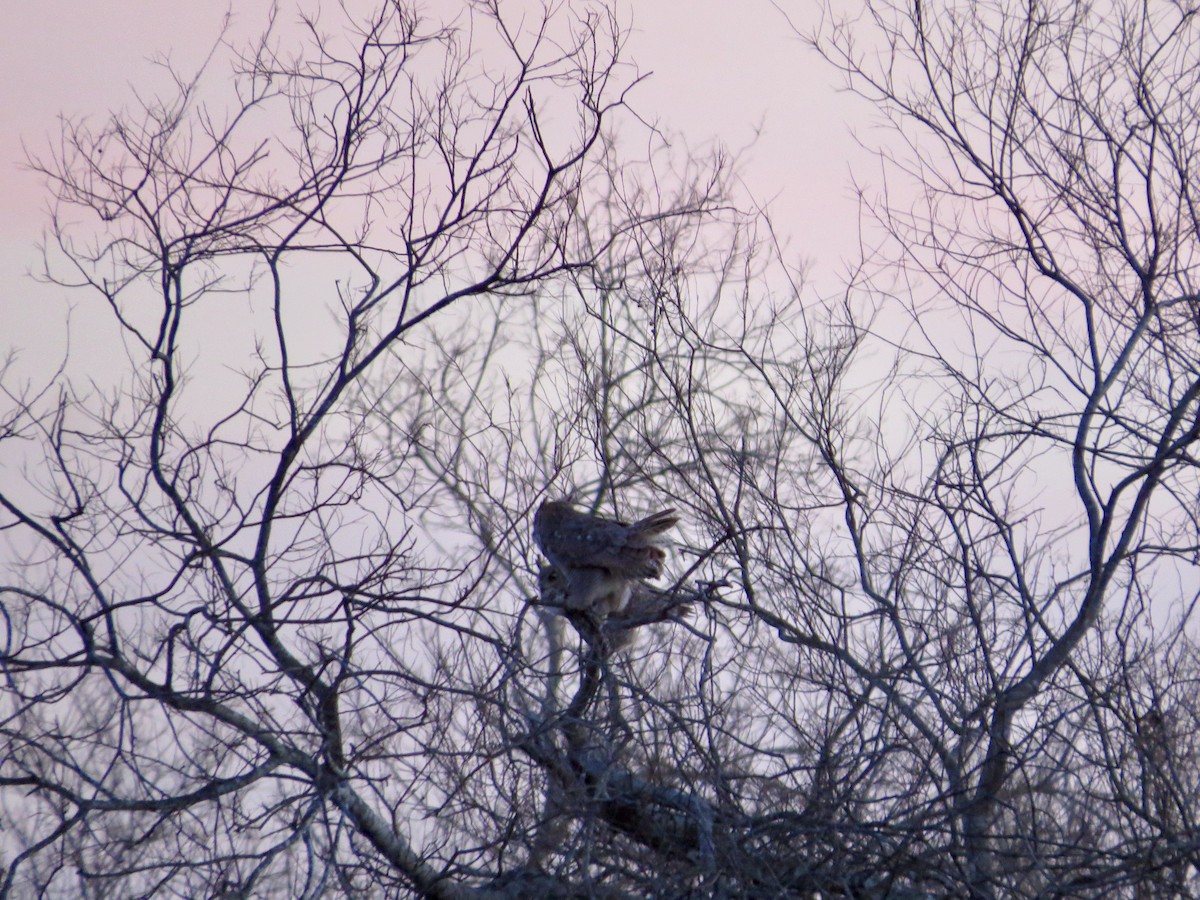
column 715, row 76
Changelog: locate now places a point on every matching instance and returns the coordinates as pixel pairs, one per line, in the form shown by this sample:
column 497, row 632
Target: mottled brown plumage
column 646, row 605
column 601, row 559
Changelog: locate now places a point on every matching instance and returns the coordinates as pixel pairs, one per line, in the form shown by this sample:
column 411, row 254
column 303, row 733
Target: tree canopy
column 272, row 621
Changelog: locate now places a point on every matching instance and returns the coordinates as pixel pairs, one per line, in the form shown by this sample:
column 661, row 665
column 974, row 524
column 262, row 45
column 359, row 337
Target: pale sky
column 718, row 74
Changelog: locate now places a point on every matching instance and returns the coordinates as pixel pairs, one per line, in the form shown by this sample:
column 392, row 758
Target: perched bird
column 646, row 606
column 600, row 559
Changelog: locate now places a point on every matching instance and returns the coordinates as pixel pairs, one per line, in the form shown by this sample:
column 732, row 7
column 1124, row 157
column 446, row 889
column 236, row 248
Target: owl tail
column 654, row 525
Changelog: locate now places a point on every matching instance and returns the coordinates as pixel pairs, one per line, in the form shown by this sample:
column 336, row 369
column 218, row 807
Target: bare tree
column 217, row 600
column 1034, row 576
column 273, row 621
column 953, row 510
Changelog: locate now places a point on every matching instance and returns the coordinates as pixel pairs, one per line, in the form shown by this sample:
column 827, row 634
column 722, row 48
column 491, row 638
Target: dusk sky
column 715, row 76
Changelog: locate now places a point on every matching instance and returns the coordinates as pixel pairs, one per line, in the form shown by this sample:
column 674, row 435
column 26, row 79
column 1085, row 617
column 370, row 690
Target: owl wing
column 573, row 539
column 617, row 548
column 625, row 560
column 577, row 539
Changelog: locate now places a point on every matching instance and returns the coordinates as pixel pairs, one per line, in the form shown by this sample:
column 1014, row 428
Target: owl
column 600, row 559
column 646, row 606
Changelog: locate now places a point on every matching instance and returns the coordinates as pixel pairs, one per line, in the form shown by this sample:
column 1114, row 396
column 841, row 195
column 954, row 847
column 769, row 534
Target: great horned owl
column 601, row 559
column 647, row 605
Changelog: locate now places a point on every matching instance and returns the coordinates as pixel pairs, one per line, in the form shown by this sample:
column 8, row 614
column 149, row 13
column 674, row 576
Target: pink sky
column 64, row 57
column 716, row 75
